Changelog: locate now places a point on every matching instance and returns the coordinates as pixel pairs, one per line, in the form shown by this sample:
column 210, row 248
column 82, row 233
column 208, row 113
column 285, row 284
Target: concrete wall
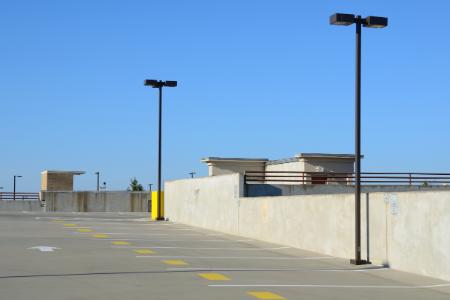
column 329, row 165
column 293, row 166
column 411, row 231
column 261, row 190
column 231, row 167
column 56, row 181
column 408, row 230
column 209, row 202
column 20, row 205
column 96, row 201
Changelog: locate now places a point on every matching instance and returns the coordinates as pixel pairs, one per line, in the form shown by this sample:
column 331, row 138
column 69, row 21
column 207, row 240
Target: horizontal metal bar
column 349, row 177
column 340, row 173
column 18, row 193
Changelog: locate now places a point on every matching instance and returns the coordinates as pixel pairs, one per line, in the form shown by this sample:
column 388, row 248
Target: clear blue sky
column 256, row 78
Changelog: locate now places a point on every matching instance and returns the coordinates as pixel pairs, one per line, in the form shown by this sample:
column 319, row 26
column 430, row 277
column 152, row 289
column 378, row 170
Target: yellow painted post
column 155, row 204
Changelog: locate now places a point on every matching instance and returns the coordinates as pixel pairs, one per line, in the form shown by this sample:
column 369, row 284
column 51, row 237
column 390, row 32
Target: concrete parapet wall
column 321, row 224
column 20, row 205
column 261, row 190
column 96, row 201
column 409, row 230
column 209, row 202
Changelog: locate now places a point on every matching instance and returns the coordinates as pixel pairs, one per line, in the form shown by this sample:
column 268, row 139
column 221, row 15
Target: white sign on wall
column 394, row 204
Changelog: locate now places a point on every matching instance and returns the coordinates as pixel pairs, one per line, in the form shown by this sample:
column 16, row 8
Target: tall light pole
column 192, row 174
column 159, row 84
column 14, row 189
column 371, row 22
column 98, row 180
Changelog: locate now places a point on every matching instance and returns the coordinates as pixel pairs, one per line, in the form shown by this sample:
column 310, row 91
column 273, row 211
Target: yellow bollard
column 155, row 206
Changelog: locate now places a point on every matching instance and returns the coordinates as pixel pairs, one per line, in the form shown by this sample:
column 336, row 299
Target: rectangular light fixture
column 170, row 83
column 342, row 19
column 376, row 22
column 150, row 82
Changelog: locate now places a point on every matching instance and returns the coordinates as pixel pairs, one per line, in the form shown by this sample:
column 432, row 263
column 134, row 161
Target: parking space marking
column 217, row 269
column 245, row 257
column 335, row 286
column 119, row 243
column 162, row 241
column 69, row 225
column 214, row 248
column 214, row 276
column 152, row 234
column 144, row 251
column 265, row 295
column 153, row 240
column 175, row 262
column 100, row 236
column 57, row 221
column 85, row 230
column 76, row 227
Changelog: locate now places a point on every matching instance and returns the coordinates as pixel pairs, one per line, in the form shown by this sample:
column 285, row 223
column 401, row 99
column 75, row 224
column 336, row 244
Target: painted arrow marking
column 45, row 248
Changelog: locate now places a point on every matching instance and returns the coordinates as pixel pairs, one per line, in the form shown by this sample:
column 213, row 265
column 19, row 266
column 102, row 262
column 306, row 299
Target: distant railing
column 19, row 196
column 379, row 178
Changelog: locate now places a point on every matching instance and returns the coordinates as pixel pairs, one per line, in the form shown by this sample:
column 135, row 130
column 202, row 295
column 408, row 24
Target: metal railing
column 19, row 196
column 379, row 178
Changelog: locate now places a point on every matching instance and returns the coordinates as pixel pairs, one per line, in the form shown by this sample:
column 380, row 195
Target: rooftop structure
column 302, row 162
column 222, row 166
column 55, row 180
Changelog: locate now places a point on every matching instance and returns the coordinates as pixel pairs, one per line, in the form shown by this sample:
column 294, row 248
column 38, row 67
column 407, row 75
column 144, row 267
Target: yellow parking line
column 70, row 225
column 266, row 295
column 57, row 221
column 100, row 236
column 213, row 276
column 175, row 262
column 120, row 243
column 85, row 230
column 144, row 251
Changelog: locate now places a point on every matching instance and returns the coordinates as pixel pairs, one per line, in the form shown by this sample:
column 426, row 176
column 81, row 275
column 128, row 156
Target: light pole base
column 160, row 219
column 359, row 262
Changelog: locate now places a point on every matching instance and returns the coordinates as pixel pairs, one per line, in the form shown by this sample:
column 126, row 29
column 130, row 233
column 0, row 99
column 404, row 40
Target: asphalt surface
column 125, row 256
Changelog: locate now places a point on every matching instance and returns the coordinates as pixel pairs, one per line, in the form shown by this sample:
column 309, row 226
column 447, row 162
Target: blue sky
column 256, row 78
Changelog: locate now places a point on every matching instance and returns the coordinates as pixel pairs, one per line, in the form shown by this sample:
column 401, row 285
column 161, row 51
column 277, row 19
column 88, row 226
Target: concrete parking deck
column 124, row 256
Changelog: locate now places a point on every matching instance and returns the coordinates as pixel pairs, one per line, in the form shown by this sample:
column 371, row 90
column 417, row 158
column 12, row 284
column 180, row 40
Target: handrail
column 18, row 196
column 252, row 177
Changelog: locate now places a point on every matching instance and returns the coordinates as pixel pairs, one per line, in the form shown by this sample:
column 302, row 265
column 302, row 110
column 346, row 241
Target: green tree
column 135, row 186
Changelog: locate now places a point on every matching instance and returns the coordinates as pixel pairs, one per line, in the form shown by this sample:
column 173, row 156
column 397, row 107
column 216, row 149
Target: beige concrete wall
column 329, row 165
column 295, row 166
column 319, row 223
column 209, row 202
column 314, row 165
column 20, row 205
column 225, row 167
column 410, row 231
column 96, row 201
column 57, row 182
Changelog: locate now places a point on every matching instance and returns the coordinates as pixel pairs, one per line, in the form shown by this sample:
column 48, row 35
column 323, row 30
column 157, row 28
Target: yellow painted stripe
column 85, row 230
column 100, row 236
column 144, row 251
column 175, row 262
column 57, row 221
column 266, row 295
column 213, row 276
column 70, row 225
column 120, row 243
